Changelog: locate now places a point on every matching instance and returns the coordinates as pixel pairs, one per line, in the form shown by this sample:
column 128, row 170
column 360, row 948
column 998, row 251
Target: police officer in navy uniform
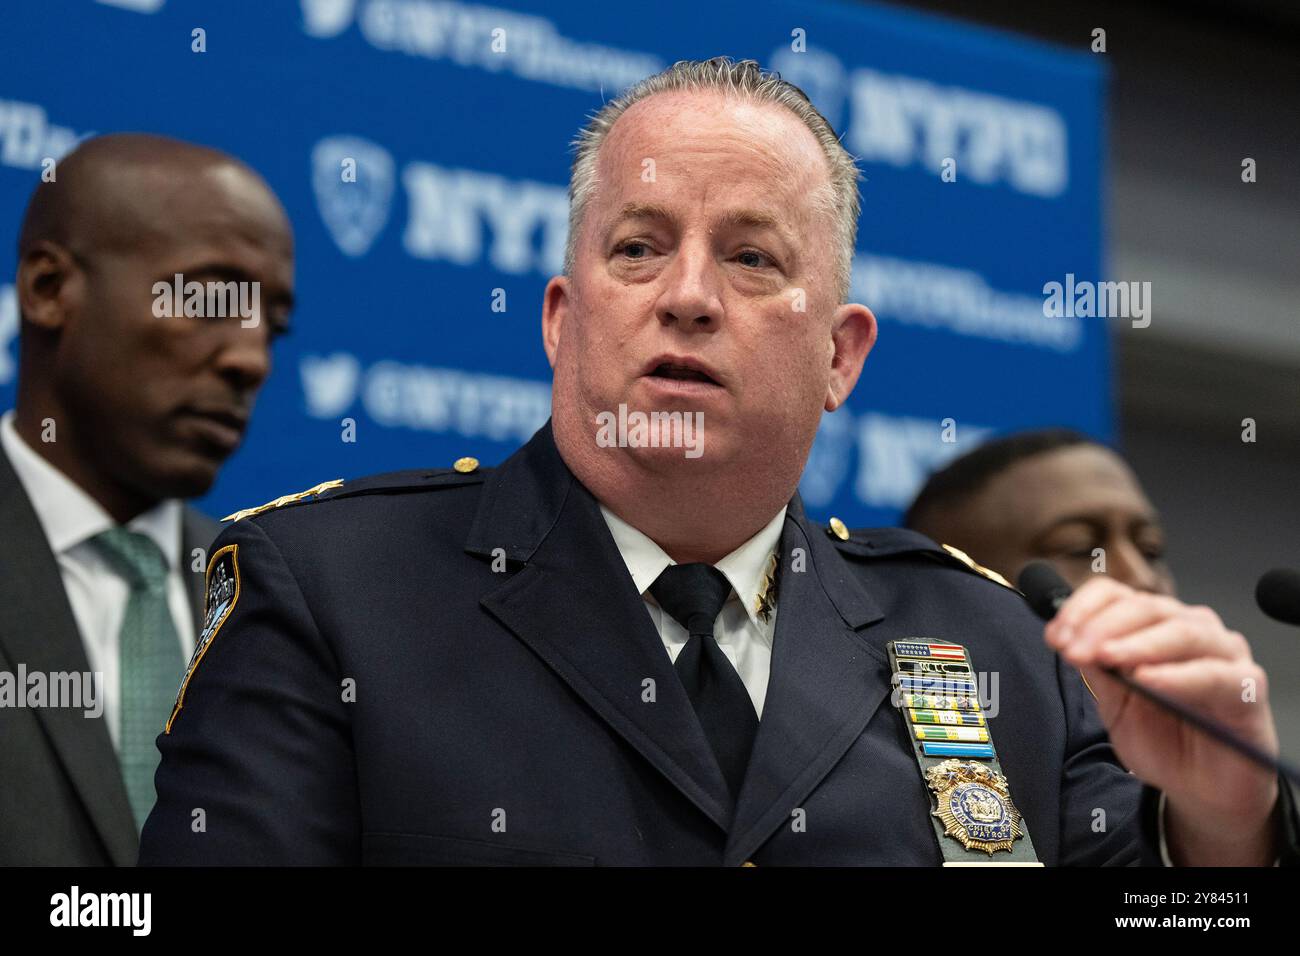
column 628, row 644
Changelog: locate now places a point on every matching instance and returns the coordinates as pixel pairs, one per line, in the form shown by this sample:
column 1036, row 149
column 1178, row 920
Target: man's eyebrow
column 1093, row 521
column 224, row 272
column 752, row 218
column 641, row 210
column 1151, row 520
column 1098, row 522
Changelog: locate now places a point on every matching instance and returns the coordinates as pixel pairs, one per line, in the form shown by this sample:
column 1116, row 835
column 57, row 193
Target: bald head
column 114, row 191
column 145, row 407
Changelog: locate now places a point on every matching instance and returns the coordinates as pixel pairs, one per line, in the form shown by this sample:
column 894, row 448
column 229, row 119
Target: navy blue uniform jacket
column 380, row 694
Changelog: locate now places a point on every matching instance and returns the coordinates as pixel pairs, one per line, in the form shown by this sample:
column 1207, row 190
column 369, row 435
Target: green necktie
column 150, row 660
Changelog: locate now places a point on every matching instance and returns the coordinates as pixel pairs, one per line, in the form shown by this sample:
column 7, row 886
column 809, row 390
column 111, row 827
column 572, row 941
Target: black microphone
column 1278, row 595
column 1046, row 591
column 1043, row 588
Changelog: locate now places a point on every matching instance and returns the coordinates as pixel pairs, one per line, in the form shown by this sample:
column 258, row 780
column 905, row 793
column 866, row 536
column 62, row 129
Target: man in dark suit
column 628, row 644
column 125, row 408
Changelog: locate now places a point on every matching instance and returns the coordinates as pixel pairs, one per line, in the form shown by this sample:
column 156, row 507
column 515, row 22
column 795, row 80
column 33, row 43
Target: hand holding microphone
column 1185, row 704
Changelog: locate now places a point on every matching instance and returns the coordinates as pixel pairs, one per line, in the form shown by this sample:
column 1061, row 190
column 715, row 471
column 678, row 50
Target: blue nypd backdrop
column 419, row 284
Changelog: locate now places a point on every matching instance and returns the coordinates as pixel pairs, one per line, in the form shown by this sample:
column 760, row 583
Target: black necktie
column 693, row 594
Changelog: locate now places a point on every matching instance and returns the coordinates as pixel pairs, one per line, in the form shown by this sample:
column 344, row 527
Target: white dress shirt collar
column 71, row 517
column 744, row 568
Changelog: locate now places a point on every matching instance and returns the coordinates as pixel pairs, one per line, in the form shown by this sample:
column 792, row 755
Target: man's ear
column 853, row 333
column 48, row 278
column 555, row 308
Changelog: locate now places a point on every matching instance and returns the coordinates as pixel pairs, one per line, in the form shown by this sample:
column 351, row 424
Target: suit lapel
column 37, row 629
column 826, row 683
column 575, row 605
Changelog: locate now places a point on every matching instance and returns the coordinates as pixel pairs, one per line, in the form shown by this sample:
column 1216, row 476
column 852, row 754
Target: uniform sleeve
column 257, row 766
column 1108, row 816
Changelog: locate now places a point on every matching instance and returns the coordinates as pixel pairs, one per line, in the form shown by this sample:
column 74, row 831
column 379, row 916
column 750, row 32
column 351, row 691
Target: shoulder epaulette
column 466, row 471
column 886, row 542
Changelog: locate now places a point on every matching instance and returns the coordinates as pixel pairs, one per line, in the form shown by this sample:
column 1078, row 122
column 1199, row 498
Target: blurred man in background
column 1048, row 495
column 129, row 400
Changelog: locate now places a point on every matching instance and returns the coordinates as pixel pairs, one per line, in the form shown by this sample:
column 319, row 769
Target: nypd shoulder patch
column 222, row 584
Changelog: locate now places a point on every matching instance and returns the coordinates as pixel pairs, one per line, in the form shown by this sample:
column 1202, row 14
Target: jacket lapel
column 826, row 682
column 37, row 629
column 575, row 605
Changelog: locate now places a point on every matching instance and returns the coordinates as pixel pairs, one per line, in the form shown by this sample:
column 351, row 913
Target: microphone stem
column 1214, row 729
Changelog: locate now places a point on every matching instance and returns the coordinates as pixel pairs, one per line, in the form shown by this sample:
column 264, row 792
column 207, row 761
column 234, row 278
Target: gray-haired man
column 608, row 650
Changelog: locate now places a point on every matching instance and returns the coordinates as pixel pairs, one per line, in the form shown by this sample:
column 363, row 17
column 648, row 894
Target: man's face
column 162, row 402
column 1061, row 507
column 703, row 282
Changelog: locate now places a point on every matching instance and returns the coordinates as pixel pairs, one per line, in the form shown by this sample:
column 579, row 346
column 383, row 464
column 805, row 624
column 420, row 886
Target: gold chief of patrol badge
column 975, row 805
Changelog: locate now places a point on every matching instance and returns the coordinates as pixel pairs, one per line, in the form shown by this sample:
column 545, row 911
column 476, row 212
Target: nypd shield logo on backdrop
column 354, row 211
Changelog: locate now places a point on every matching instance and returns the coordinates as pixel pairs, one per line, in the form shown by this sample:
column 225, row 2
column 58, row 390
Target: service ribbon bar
column 950, row 652
column 937, row 684
column 935, row 702
column 975, row 734
column 949, row 717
